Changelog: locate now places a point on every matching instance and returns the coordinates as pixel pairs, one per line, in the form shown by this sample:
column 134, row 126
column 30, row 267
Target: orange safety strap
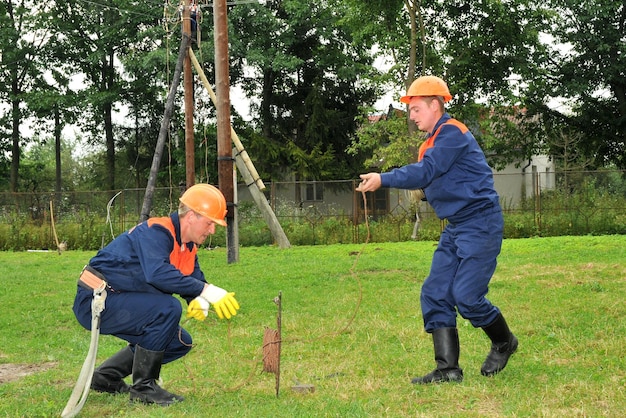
column 430, row 142
column 91, row 279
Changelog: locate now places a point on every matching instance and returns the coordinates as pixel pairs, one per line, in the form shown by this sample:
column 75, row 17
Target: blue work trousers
column 150, row 320
column 461, row 270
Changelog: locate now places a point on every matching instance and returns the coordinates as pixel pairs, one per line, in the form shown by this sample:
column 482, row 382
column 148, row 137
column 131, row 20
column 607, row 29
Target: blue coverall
column 458, row 184
column 142, row 268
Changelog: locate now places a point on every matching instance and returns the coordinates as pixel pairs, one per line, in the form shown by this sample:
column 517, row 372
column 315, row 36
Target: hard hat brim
column 407, row 99
column 221, row 222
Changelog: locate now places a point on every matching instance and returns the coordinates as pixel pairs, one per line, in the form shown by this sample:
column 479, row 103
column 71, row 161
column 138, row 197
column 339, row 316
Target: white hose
column 109, row 204
column 81, row 389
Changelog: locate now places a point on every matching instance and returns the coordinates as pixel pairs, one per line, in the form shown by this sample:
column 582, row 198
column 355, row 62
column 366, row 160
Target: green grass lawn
column 352, row 328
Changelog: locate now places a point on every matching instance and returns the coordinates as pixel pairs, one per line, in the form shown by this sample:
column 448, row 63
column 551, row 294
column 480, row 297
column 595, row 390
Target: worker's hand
column 223, row 302
column 198, row 309
column 369, row 182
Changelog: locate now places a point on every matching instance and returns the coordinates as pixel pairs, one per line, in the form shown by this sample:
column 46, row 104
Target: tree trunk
column 15, row 136
column 266, row 101
column 57, row 154
column 107, row 82
column 412, row 8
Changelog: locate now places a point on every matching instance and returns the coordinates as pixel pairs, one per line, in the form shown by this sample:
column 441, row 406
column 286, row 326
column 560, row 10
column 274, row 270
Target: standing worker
column 455, row 178
column 142, row 269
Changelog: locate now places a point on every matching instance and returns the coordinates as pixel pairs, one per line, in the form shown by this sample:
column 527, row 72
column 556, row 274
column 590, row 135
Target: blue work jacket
column 453, row 172
column 150, row 258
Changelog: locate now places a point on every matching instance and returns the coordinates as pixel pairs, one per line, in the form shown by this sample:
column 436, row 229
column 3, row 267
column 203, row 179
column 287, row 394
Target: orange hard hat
column 206, row 200
column 428, row 85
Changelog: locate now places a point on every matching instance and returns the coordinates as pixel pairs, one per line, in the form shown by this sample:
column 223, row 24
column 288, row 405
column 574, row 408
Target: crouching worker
column 143, row 268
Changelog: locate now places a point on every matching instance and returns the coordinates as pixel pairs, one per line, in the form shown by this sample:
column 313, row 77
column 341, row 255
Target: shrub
column 593, row 207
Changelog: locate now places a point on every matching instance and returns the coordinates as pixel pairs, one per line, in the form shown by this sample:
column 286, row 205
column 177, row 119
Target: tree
column 20, row 43
column 39, row 165
column 510, row 134
column 91, row 39
column 591, row 73
column 386, row 140
column 53, row 99
column 310, row 80
column 396, row 30
column 144, row 79
column 488, row 52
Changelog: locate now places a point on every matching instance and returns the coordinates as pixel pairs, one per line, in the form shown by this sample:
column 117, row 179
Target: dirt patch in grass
column 10, row 372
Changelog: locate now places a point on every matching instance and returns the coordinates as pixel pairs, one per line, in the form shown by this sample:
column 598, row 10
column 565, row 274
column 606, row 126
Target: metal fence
column 550, row 203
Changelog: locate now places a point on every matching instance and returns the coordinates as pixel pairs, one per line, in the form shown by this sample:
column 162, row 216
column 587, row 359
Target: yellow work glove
column 198, row 309
column 223, row 302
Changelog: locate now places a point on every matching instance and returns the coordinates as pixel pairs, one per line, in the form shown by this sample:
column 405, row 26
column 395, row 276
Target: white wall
column 516, row 183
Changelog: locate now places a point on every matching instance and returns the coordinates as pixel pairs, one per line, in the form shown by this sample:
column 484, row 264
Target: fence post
column 536, row 198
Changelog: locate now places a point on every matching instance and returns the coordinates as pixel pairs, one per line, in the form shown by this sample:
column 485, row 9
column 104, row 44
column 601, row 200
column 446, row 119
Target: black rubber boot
column 146, row 369
column 109, row 377
column 503, row 345
column 447, row 349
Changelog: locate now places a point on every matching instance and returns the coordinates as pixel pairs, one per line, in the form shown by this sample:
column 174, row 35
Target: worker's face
column 201, row 228
column 424, row 112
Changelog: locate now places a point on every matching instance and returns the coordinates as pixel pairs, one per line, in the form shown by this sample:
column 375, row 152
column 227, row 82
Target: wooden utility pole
column 224, row 154
column 190, row 169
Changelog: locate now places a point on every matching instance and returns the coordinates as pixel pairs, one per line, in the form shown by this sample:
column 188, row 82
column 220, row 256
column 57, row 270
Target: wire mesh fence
column 311, row 212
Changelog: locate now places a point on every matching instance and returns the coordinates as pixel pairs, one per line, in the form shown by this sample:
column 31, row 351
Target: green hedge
column 587, row 211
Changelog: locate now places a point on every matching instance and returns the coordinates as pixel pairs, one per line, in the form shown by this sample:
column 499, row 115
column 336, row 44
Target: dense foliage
column 527, row 78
